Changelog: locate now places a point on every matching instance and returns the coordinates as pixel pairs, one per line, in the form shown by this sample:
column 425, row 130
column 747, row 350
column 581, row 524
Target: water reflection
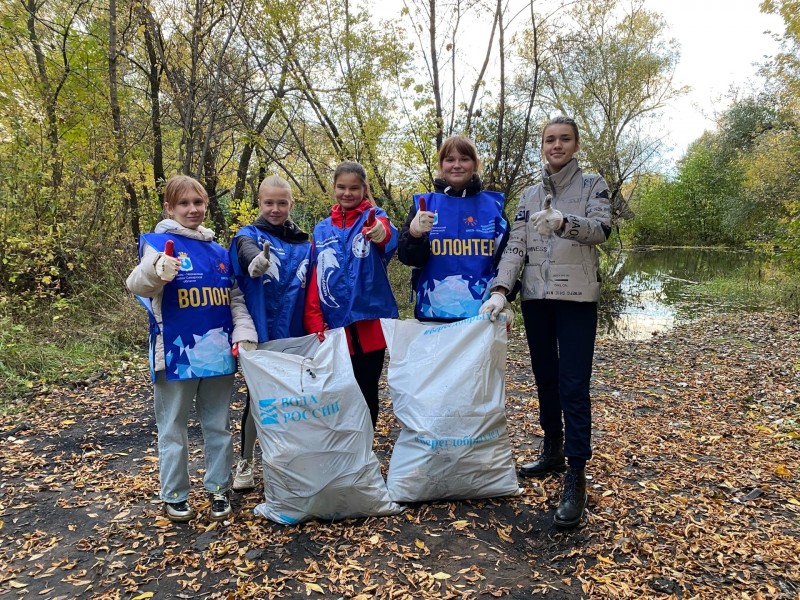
column 648, row 290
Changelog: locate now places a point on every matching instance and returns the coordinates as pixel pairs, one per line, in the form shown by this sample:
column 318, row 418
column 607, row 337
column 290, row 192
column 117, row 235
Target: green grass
column 400, row 278
column 774, row 289
column 67, row 346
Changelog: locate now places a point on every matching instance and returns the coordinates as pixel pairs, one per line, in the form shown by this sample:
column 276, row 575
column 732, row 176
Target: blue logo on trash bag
column 267, row 411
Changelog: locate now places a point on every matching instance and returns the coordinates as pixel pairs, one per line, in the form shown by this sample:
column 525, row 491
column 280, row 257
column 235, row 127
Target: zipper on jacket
column 549, row 253
column 345, row 249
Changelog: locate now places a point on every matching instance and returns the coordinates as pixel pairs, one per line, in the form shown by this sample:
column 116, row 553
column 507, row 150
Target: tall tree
column 151, row 67
column 785, row 66
column 612, row 70
column 437, row 26
column 512, row 137
column 46, row 29
column 264, row 82
column 131, row 202
column 338, row 65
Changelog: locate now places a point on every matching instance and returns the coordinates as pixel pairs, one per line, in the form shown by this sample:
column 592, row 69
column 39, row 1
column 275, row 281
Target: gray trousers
column 173, row 402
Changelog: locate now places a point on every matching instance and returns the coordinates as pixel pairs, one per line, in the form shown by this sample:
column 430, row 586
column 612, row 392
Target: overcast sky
column 720, row 42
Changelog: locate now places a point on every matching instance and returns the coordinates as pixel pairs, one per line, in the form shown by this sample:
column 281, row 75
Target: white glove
column 167, row 267
column 259, row 265
column 547, row 221
column 510, row 316
column 247, row 346
column 421, row 224
column 494, row 305
column 377, row 234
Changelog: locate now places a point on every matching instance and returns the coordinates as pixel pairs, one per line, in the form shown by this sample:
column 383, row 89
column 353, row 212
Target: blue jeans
column 172, row 402
column 561, row 336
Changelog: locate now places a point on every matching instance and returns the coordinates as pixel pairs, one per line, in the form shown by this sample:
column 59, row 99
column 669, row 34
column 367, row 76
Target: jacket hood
column 288, row 232
column 474, row 186
column 203, row 234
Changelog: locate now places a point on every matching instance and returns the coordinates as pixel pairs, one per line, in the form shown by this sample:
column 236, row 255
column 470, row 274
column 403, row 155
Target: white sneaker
column 243, row 478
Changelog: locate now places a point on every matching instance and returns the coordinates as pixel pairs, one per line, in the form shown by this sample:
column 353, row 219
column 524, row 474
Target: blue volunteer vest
column 466, row 232
column 351, row 273
column 196, row 322
column 276, row 299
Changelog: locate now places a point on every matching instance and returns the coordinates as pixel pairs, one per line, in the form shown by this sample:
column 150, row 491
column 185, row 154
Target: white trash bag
column 447, row 383
column 315, row 432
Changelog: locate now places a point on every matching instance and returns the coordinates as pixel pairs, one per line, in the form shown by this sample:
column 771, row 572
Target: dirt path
column 693, row 494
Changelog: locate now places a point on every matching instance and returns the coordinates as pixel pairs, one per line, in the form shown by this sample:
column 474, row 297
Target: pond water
column 650, row 290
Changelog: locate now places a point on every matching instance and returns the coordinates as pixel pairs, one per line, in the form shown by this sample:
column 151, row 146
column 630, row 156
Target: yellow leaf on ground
column 315, row 588
column 441, row 575
column 783, row 471
column 419, row 544
column 143, row 596
column 602, row 558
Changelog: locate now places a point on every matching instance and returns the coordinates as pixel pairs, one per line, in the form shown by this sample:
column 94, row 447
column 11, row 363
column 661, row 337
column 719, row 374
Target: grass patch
column 772, row 288
column 400, row 279
column 67, row 345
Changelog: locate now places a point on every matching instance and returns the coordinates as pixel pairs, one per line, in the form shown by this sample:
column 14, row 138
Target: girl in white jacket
column 186, row 282
column 553, row 242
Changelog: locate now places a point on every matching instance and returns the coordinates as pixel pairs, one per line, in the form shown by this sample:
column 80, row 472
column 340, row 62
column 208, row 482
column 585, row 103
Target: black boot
column 573, row 499
column 550, row 460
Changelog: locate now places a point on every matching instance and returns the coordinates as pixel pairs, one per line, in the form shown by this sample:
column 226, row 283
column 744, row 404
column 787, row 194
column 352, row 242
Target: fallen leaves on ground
column 693, row 494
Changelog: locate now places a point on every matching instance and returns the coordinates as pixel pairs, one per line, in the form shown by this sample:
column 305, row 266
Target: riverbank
column 693, row 491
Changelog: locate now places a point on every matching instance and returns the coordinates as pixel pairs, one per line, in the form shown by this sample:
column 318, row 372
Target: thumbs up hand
column 166, row 265
column 260, row 264
column 422, row 222
column 373, row 229
column 548, row 220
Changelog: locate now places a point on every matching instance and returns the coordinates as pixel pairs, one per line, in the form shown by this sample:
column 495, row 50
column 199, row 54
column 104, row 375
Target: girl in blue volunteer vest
column 270, row 261
column 349, row 286
column 453, row 237
column 186, row 282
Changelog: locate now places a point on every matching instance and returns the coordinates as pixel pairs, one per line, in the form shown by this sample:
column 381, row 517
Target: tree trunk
column 151, row 38
column 501, row 113
column 211, row 182
column 130, row 200
column 437, row 93
column 49, row 98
